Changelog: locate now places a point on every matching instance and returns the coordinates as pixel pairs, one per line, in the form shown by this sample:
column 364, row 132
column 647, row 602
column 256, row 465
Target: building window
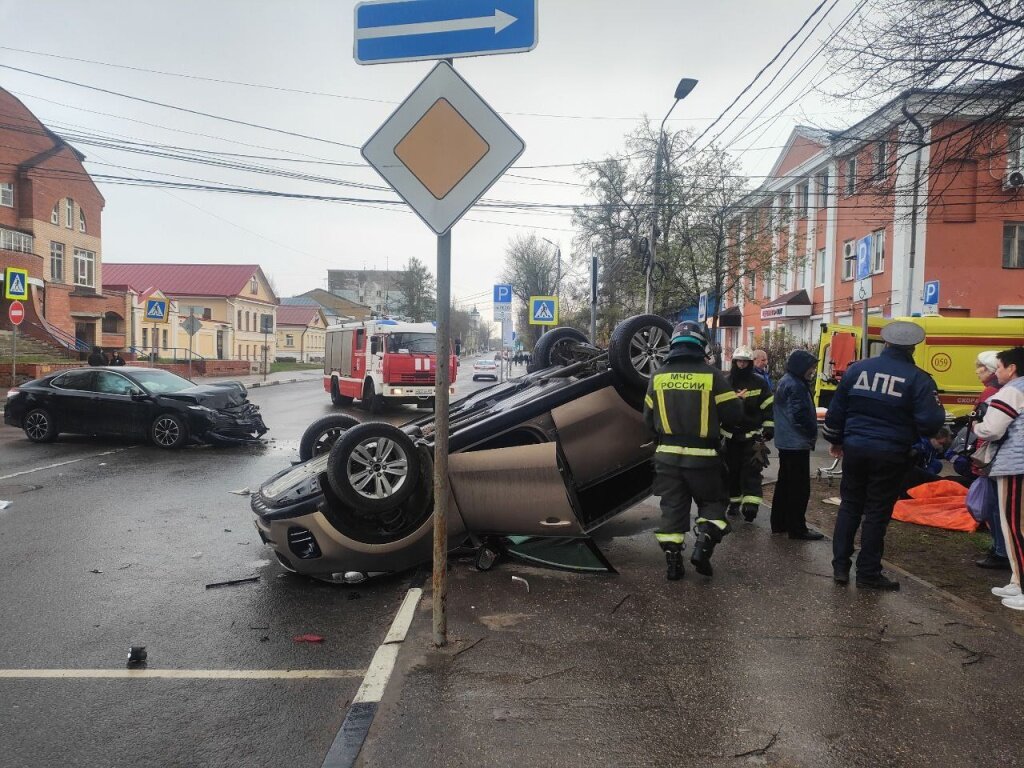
column 7, row 195
column 822, row 189
column 1013, row 246
column 1015, row 161
column 849, row 259
column 254, row 286
column 803, row 202
column 163, row 333
column 878, row 251
column 145, row 337
column 85, row 268
column 766, row 284
column 57, row 262
column 851, row 175
column 819, row 267
column 802, row 269
column 16, row 241
column 289, row 340
column 878, row 173
column 55, row 214
column 69, row 213
column 81, row 220
column 239, row 323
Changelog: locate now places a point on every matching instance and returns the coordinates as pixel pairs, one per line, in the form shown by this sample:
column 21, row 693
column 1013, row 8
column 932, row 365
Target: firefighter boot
column 673, row 561
column 708, row 537
column 749, row 512
column 734, row 509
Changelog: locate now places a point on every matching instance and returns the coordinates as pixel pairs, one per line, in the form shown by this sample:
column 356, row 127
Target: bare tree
column 530, row 270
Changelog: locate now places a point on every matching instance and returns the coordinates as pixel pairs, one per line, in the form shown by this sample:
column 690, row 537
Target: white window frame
column 289, row 340
column 55, row 214
column 803, row 199
column 56, row 257
column 11, row 240
column 84, row 271
column 7, row 195
column 878, row 251
column 254, row 286
column 881, row 151
column 819, row 268
column 69, row 213
column 851, row 176
column 821, row 186
column 1013, row 257
column 849, row 265
column 1015, row 148
column 81, row 219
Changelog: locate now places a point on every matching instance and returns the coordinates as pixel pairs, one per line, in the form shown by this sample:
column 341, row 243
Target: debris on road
column 5, row 504
column 308, row 639
column 524, row 581
column 233, row 582
column 95, row 570
column 137, row 655
column 196, row 555
column 241, row 492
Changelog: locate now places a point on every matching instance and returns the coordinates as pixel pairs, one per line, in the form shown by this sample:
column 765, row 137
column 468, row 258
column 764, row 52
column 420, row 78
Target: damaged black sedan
column 133, row 402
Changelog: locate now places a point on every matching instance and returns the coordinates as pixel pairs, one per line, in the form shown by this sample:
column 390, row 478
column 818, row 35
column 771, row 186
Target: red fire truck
column 382, row 361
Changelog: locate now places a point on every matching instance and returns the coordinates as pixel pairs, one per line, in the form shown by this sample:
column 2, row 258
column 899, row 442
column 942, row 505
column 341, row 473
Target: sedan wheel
column 639, row 346
column 39, row 426
column 168, row 431
column 322, row 434
column 373, row 467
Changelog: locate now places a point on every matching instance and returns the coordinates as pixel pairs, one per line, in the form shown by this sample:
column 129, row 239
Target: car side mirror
column 139, row 395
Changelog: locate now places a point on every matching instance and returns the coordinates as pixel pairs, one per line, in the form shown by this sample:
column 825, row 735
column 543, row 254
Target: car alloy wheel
column 374, row 467
column 38, row 427
column 168, row 431
column 323, row 433
column 638, row 347
column 648, row 349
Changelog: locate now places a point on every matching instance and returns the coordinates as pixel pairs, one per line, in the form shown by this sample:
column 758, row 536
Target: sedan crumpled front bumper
column 236, row 424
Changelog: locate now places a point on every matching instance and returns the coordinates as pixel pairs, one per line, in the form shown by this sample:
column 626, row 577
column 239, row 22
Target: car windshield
column 423, row 343
column 161, row 382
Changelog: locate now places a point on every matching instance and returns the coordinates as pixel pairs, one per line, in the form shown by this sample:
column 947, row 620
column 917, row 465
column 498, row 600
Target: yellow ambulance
column 948, row 353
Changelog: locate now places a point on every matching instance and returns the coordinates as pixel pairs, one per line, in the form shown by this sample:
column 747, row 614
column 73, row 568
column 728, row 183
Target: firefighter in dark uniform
column 880, row 409
column 687, row 401
column 741, row 459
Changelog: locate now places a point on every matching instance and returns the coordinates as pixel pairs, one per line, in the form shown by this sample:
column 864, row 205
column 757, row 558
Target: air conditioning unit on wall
column 849, row 251
column 1013, row 180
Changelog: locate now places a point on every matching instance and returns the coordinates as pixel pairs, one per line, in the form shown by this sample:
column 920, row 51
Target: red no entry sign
column 16, row 312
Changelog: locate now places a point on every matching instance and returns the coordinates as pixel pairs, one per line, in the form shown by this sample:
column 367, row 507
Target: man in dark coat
column 96, row 357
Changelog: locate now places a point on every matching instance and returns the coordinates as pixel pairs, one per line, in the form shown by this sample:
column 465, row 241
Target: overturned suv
column 555, row 453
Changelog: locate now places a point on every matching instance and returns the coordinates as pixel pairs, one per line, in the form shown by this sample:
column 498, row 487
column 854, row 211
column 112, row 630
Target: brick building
column 50, row 225
column 829, row 191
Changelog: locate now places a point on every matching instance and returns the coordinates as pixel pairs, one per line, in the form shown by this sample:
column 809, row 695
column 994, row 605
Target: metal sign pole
column 439, row 581
column 14, row 355
column 864, row 331
column 191, row 321
column 593, row 298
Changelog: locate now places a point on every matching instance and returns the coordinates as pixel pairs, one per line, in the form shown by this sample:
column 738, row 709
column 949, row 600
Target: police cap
column 903, row 334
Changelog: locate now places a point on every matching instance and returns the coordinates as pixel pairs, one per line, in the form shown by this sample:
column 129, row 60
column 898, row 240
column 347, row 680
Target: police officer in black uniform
column 880, row 409
column 687, row 401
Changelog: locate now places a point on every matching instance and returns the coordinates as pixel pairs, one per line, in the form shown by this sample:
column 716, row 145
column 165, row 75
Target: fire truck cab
column 382, row 361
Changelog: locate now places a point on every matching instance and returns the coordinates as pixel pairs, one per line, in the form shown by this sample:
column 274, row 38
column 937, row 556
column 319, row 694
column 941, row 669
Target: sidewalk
column 768, row 663
column 257, row 379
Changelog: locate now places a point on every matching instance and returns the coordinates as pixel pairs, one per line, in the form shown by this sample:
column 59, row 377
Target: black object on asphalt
column 137, row 655
column 233, row 582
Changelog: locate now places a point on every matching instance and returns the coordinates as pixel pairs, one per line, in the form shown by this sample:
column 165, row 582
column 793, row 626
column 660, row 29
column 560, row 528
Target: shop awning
column 730, row 317
column 789, row 305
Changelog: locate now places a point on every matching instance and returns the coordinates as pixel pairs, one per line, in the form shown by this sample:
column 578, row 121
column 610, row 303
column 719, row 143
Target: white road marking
column 61, row 464
column 383, row 663
column 183, row 674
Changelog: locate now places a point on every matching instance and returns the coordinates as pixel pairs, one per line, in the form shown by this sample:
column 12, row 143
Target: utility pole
column 593, row 298
column 908, row 284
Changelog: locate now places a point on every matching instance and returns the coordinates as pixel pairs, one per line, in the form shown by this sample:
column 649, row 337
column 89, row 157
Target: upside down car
column 552, row 454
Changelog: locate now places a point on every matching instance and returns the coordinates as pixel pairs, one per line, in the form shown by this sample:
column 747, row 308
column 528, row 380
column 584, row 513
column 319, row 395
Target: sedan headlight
column 200, row 408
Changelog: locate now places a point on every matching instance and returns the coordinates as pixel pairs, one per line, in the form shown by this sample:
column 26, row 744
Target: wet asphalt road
column 158, row 526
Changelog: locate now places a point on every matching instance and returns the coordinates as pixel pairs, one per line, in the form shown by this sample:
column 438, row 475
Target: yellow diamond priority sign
column 443, row 148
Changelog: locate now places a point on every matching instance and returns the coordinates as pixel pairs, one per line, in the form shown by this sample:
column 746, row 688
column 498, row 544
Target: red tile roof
column 183, row 279
column 291, row 314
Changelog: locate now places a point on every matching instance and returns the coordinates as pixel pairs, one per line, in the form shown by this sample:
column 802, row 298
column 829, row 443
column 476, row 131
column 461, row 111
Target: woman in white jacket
column 1003, row 423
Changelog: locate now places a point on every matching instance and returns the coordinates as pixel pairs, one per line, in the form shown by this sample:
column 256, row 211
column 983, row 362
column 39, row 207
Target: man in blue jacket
column 880, row 409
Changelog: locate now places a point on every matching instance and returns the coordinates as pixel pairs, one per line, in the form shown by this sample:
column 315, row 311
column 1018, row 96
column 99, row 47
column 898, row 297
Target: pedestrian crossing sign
column 16, row 284
column 543, row 310
column 156, row 307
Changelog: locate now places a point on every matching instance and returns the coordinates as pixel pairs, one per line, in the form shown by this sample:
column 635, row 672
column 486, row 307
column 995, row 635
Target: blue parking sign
column 864, row 258
column 503, row 294
column 931, row 292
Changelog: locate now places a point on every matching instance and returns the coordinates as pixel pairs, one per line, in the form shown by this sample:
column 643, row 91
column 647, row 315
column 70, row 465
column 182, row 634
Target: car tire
column 168, row 431
column 554, row 348
column 322, row 434
column 373, row 467
column 637, row 348
column 39, row 426
column 338, row 399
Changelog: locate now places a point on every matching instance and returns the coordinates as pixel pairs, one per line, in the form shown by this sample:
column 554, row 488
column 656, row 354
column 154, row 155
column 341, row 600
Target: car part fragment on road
column 137, row 655
column 524, row 582
column 233, row 582
column 308, row 639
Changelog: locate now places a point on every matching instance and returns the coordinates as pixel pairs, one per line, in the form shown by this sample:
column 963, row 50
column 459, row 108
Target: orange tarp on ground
column 942, row 504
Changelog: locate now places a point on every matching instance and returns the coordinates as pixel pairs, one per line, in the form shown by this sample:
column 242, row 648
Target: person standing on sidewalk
column 687, row 403
column 796, row 431
column 881, row 406
column 744, row 468
column 996, row 558
column 1002, row 421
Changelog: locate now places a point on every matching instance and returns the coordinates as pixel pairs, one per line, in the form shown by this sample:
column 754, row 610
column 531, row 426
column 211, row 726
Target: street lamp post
column 686, row 85
column 558, row 263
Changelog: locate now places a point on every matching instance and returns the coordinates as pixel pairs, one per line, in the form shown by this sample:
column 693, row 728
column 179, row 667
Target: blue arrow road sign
column 415, row 30
column 156, row 309
column 931, row 292
column 864, row 258
column 503, row 294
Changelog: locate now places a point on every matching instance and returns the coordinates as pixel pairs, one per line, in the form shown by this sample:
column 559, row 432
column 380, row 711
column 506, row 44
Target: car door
column 114, row 412
column 71, row 399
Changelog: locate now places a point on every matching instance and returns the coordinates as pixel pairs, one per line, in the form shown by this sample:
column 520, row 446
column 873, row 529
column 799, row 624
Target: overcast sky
column 599, row 67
